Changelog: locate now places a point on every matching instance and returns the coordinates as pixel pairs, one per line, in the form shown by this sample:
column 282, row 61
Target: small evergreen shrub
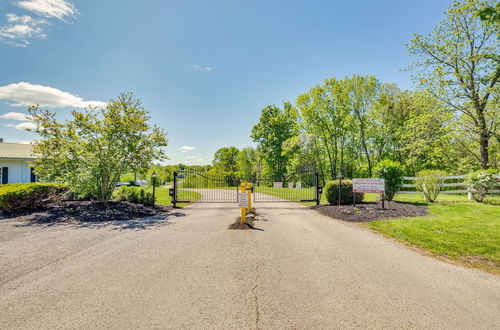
column 480, row 182
column 332, row 193
column 134, row 195
column 392, row 172
column 17, row 197
column 430, row 183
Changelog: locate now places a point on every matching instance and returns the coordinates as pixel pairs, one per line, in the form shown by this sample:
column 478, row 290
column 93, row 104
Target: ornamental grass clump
column 430, row 184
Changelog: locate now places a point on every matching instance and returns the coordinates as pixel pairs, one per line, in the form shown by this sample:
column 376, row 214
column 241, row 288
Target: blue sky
column 204, row 69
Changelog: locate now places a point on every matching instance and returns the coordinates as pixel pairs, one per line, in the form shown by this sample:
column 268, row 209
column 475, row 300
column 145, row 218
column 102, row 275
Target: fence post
column 316, row 182
column 174, row 197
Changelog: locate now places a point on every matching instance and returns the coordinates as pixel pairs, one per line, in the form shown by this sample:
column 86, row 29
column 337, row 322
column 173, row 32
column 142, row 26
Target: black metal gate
column 205, row 187
column 292, row 187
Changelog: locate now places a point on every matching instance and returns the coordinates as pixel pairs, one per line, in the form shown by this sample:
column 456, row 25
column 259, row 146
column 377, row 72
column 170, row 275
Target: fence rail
column 457, row 185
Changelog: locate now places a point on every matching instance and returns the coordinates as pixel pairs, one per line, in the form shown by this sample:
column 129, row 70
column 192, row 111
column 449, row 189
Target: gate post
column 174, row 195
column 316, row 182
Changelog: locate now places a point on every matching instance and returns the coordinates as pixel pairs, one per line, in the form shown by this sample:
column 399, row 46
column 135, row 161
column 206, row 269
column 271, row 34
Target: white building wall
column 19, row 171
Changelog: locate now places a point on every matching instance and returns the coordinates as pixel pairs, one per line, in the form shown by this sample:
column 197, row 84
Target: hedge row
column 134, row 195
column 17, row 197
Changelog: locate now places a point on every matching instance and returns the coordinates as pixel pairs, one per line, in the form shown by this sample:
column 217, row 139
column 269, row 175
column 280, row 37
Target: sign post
column 249, row 190
column 376, row 186
column 243, row 202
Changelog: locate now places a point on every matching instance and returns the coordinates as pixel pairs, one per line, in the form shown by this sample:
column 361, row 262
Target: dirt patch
column 366, row 212
column 89, row 211
column 252, row 217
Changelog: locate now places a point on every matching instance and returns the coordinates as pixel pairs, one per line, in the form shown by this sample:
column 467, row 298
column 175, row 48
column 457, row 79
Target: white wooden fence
column 458, row 186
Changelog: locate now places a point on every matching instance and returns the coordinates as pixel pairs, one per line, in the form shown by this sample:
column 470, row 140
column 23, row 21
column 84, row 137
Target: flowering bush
column 480, row 182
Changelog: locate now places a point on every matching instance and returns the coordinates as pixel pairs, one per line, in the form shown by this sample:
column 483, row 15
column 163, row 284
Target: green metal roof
column 16, row 151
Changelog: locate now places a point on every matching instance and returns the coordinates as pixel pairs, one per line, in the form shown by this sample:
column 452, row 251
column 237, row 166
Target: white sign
column 243, row 199
column 298, row 185
column 290, row 184
column 376, row 186
column 278, row 185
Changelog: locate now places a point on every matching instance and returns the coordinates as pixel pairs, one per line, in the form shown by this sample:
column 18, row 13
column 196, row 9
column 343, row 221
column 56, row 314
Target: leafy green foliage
column 94, row 149
column 430, row 183
column 392, row 172
column 134, row 195
column 459, row 63
column 480, row 182
column 247, row 164
column 331, row 190
column 28, row 196
column 275, row 126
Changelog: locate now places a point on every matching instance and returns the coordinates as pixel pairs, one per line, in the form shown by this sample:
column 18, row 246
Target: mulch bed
column 89, row 211
column 365, row 212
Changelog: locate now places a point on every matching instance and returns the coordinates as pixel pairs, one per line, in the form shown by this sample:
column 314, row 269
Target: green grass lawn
column 461, row 230
column 163, row 198
column 288, row 193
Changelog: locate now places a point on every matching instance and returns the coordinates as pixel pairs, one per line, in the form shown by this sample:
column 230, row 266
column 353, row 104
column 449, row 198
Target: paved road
column 301, row 270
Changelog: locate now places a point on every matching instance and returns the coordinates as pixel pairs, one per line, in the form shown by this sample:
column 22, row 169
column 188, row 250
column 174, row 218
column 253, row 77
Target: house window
column 4, row 175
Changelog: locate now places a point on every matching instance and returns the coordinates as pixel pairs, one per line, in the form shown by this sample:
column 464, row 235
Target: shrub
column 392, row 172
column 480, row 182
column 429, row 183
column 332, row 192
column 28, row 196
column 134, row 195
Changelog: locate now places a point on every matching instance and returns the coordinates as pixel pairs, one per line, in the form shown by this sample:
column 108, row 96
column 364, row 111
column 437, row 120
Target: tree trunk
column 484, row 143
column 363, row 142
column 484, row 136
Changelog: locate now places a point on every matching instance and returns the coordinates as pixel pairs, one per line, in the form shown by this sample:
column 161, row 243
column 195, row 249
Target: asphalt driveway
column 302, row 270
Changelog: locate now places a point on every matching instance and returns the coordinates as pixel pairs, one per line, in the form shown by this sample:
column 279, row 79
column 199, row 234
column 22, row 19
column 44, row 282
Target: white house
column 14, row 158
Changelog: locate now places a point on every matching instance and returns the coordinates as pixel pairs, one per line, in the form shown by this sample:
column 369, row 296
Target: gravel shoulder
column 187, row 270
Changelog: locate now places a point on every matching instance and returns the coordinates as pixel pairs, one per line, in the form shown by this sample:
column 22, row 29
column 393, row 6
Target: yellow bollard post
column 249, row 191
column 243, row 218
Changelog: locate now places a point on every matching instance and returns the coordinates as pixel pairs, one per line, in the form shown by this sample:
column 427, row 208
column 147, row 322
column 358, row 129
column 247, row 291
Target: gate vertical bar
column 316, row 182
column 174, row 197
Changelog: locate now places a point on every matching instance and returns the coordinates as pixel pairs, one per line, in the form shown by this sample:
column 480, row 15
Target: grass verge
column 456, row 229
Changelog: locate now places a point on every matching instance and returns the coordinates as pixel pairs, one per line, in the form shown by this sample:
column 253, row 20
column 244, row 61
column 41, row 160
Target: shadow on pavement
column 135, row 224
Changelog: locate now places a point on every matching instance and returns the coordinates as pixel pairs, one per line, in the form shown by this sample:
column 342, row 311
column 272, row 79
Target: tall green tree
column 95, row 148
column 275, row 126
column 226, row 160
column 247, row 164
column 363, row 92
column 460, row 63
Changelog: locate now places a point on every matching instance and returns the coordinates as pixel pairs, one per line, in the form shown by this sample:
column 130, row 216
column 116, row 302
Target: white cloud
column 22, row 126
column 200, row 67
column 186, row 148
column 21, row 28
column 25, row 94
column 190, row 157
column 59, row 9
column 14, row 116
